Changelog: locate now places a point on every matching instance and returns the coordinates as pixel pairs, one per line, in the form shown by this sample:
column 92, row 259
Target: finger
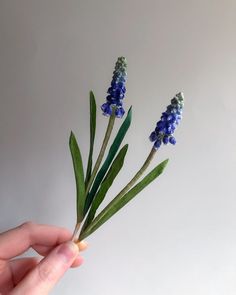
column 44, row 250
column 77, row 262
column 43, row 278
column 20, row 267
column 83, row 245
column 16, row 241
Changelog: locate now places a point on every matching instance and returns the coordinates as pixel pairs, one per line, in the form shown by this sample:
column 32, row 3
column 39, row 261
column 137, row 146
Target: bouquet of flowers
column 93, row 186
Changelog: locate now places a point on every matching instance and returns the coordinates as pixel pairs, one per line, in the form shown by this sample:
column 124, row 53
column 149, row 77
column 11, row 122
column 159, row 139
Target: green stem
column 77, row 227
column 137, row 175
column 97, row 164
column 102, row 151
column 129, row 185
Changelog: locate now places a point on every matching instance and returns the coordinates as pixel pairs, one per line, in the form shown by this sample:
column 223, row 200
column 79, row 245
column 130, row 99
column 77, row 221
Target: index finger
column 16, row 241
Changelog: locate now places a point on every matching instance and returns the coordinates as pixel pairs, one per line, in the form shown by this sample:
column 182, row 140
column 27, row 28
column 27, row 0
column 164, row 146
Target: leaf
column 106, row 184
column 117, row 203
column 92, row 135
column 111, row 154
column 79, row 176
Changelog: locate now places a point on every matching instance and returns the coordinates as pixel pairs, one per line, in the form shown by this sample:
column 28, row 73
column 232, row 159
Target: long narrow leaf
column 106, row 184
column 93, row 110
column 111, row 154
column 79, row 176
column 117, row 203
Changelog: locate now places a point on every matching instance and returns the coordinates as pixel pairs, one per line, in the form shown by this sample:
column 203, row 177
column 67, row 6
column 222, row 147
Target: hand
column 30, row 276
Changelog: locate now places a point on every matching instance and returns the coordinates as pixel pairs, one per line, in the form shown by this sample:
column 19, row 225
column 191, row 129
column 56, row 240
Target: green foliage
column 93, row 110
column 106, row 184
column 111, row 154
column 79, row 176
column 121, row 200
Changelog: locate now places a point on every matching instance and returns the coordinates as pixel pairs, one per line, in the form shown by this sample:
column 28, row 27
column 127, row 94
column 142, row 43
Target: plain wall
column 179, row 235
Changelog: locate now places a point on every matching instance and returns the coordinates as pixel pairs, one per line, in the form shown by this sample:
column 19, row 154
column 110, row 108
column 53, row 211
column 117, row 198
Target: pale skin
column 36, row 275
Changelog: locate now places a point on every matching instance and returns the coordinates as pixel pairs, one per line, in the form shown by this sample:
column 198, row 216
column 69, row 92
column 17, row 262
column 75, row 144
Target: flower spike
column 116, row 92
column 165, row 128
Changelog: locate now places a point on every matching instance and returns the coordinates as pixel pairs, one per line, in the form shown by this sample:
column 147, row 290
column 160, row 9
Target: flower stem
column 102, row 151
column 77, row 227
column 136, row 176
column 96, row 166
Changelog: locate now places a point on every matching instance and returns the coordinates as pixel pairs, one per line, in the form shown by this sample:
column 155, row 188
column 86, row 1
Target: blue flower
column 165, row 128
column 116, row 92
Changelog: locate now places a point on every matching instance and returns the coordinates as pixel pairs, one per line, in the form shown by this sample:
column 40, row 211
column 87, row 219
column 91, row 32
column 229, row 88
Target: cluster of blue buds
column 116, row 91
column 165, row 128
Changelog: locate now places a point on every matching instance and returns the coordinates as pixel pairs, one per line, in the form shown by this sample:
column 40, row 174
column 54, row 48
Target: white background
column 179, row 235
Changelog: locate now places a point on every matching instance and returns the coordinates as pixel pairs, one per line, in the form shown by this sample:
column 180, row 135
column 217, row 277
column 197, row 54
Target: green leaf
column 111, row 154
column 106, row 184
column 93, row 110
column 79, row 176
column 120, row 201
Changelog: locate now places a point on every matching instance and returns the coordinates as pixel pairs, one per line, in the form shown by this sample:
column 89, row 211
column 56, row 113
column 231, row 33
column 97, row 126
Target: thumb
column 47, row 273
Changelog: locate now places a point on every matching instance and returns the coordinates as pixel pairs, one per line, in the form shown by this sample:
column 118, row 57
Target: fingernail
column 82, row 245
column 68, row 251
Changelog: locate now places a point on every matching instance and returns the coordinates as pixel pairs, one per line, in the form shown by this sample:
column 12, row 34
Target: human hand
column 30, row 276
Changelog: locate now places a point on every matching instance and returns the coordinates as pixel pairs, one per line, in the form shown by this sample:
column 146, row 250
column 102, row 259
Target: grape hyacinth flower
column 114, row 109
column 116, row 91
column 165, row 128
column 92, row 189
